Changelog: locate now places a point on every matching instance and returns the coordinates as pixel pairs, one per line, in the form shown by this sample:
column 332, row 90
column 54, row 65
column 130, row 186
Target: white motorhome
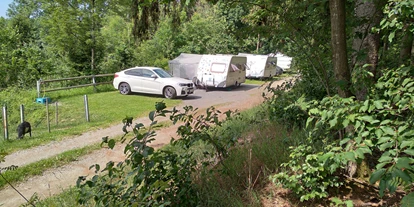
column 261, row 66
column 221, row 71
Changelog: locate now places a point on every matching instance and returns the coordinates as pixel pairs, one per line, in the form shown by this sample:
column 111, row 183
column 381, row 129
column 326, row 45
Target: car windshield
column 162, row 73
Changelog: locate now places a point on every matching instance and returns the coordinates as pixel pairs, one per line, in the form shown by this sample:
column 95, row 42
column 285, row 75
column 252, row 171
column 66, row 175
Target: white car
column 151, row 80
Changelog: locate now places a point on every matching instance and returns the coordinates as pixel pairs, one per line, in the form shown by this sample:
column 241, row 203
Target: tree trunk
column 93, row 38
column 135, row 19
column 406, row 48
column 366, row 45
column 339, row 51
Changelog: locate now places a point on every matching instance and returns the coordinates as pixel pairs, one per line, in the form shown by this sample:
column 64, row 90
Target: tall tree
column 339, row 48
column 366, row 45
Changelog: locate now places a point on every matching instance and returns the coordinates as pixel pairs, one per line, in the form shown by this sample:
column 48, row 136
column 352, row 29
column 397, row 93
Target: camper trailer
column 185, row 66
column 283, row 61
column 221, row 71
column 261, row 66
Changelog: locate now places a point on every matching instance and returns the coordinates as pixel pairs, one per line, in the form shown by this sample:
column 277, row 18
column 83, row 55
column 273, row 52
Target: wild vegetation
column 352, row 101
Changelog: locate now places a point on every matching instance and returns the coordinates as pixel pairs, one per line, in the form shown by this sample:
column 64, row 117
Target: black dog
column 24, row 128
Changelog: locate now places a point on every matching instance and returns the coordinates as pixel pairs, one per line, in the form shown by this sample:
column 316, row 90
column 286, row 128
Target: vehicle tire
column 124, row 88
column 169, row 92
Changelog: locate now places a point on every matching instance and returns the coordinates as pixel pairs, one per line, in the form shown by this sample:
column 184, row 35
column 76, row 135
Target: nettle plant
column 149, row 177
column 346, row 131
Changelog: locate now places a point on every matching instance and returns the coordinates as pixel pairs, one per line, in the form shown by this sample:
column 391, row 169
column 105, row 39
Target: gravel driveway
column 54, row 181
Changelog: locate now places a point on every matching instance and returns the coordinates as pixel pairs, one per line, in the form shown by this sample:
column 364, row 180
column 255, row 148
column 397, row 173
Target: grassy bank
column 241, row 178
column 67, row 116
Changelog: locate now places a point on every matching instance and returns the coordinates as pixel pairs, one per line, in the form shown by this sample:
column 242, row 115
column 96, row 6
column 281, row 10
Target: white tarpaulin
column 185, row 65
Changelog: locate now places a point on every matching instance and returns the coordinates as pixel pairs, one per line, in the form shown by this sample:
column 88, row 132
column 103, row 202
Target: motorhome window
column 218, row 67
column 235, row 67
column 242, row 67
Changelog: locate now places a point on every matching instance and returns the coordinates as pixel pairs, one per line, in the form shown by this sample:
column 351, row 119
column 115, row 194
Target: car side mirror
column 153, row 76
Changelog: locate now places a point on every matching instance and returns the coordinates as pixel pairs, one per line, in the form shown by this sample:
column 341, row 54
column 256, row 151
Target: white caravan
column 261, row 66
column 283, row 61
column 221, row 71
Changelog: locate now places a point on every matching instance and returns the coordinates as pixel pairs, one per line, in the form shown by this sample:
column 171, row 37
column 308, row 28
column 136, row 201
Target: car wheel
column 169, row 92
column 124, row 88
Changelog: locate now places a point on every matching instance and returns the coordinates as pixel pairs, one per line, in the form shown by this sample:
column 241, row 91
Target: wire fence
column 69, row 83
column 48, row 120
column 46, row 116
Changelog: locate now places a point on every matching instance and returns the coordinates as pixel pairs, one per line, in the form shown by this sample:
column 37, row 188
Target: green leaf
column 406, row 144
column 409, row 151
column 333, row 122
column 364, row 108
column 403, row 163
column 388, row 130
column 385, row 146
column 365, row 150
column 368, row 143
column 365, row 134
column 391, row 36
column 351, row 117
column 385, row 157
column 344, row 141
column 378, row 104
column 326, row 156
column 345, row 123
column 403, row 175
column 151, row 115
column 385, row 122
column 369, row 119
column 349, row 203
column 349, row 156
column 408, row 200
column 314, row 111
column 402, row 128
column 383, row 140
column 359, row 153
column 310, row 119
column 382, row 187
column 378, row 133
column 111, row 143
column 376, row 175
column 406, row 81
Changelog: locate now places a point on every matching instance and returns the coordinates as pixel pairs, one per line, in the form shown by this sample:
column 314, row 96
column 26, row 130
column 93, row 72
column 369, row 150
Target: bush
column 348, row 130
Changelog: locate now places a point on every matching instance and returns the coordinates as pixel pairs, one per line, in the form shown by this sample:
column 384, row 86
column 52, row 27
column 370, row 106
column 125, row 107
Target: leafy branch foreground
column 150, row 177
column 346, row 134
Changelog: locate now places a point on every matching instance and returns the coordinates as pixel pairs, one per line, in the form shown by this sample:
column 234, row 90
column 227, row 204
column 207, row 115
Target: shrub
column 347, row 130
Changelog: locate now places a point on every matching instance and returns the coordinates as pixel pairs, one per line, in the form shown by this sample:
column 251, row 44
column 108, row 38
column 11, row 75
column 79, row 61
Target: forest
column 354, row 96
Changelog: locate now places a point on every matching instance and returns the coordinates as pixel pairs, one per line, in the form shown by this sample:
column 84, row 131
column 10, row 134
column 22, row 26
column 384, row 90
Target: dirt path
column 54, row 181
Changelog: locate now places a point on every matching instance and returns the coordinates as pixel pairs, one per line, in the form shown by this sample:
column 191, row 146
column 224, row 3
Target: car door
column 134, row 79
column 149, row 83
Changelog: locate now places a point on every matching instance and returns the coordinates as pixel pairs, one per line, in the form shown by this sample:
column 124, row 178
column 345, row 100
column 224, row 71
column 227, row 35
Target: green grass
column 105, row 109
column 238, row 182
column 37, row 168
column 263, row 146
column 68, row 198
column 233, row 183
column 258, row 81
